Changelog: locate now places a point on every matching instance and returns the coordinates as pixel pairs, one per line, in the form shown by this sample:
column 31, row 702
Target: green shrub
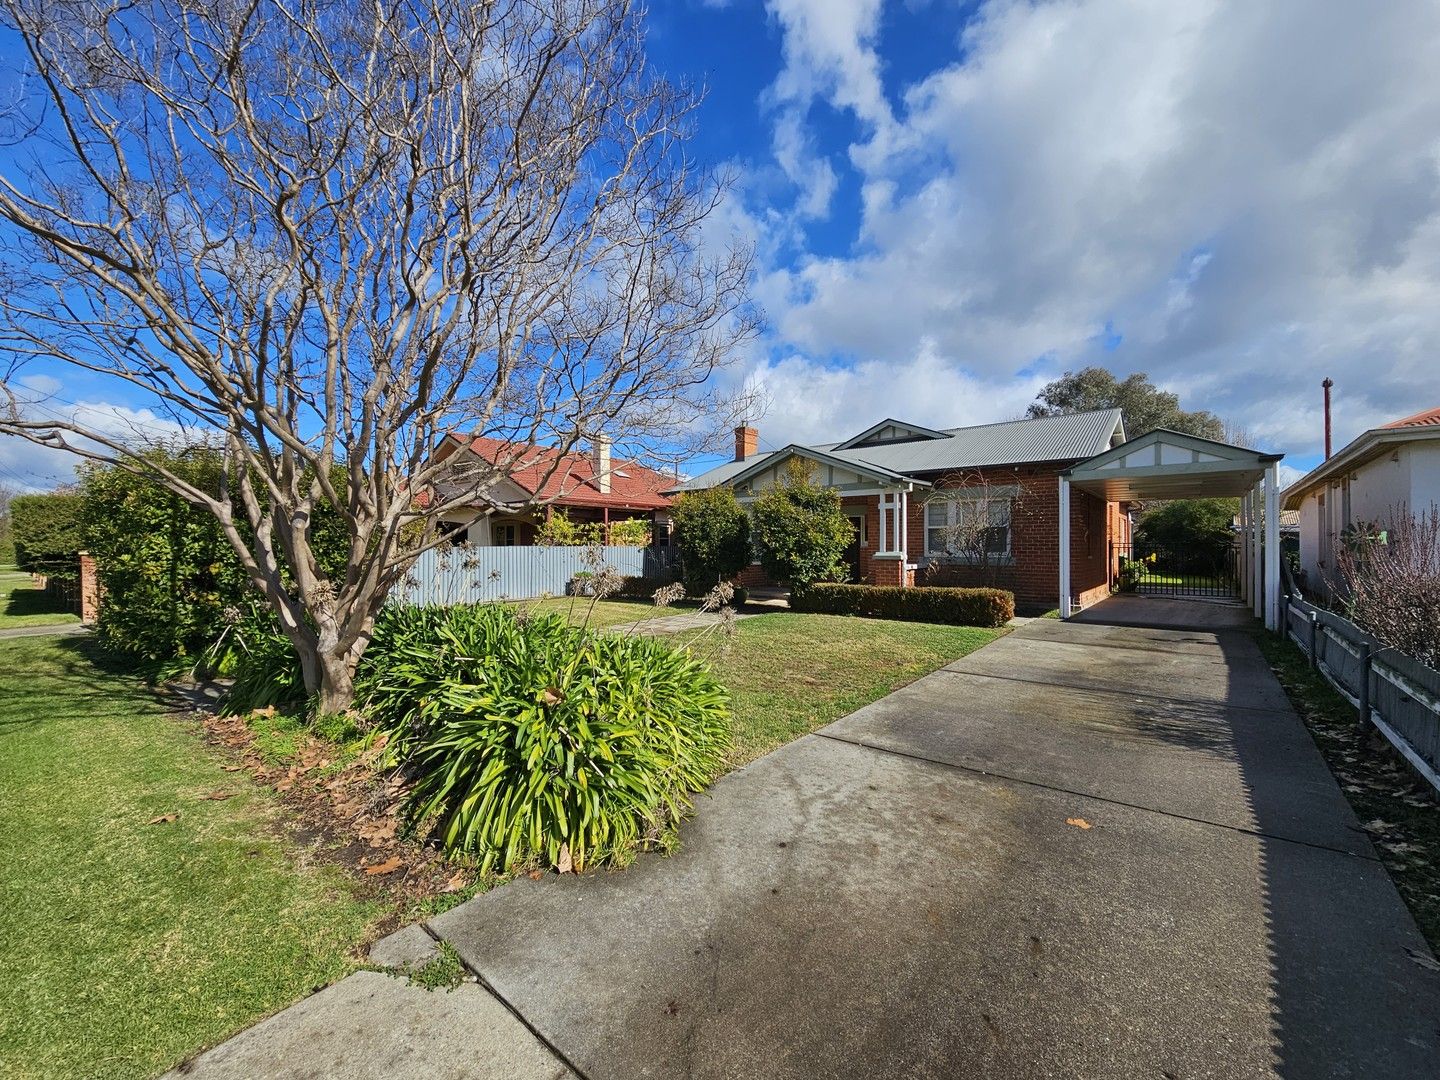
column 167, row 571
column 629, row 532
column 169, row 575
column 262, row 662
column 48, row 534
column 958, row 607
column 1132, row 573
column 712, row 532
column 531, row 739
column 801, row 530
column 1188, row 524
column 641, row 588
column 560, row 530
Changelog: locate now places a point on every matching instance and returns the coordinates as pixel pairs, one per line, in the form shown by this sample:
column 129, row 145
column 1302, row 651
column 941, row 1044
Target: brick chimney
column 747, row 442
column 600, row 459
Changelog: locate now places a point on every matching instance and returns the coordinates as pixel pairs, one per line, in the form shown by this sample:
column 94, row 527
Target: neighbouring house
column 586, row 486
column 1385, row 472
column 910, row 490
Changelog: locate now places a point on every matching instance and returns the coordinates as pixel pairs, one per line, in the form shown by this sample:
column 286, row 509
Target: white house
column 1386, row 472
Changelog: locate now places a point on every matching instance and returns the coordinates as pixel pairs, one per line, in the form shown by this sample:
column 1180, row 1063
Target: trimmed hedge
column 641, row 588
column 48, row 533
column 921, row 603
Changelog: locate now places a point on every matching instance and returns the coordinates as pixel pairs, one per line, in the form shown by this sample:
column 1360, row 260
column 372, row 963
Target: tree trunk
column 336, row 691
column 328, row 669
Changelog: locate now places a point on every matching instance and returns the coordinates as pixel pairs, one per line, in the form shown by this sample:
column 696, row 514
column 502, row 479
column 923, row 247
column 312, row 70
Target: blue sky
column 952, row 203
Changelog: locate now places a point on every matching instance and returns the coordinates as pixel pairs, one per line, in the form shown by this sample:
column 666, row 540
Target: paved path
column 1082, row 851
column 56, row 630
column 674, row 624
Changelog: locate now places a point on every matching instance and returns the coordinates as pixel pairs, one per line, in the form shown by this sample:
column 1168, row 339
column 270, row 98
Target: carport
column 1171, row 465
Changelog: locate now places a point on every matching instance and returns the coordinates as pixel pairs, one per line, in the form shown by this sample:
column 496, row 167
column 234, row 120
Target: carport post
column 1064, row 546
column 1243, row 548
column 1272, row 547
column 1257, row 582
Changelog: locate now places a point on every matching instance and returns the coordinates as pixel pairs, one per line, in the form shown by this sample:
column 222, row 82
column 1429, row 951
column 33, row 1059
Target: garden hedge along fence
column 1396, row 693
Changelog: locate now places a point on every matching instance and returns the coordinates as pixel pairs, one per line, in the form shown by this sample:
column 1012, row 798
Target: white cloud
column 829, row 56
column 1249, row 193
column 814, row 403
column 37, row 467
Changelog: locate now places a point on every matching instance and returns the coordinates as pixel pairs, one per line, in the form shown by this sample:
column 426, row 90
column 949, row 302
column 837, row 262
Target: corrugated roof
column 1428, row 418
column 1070, row 437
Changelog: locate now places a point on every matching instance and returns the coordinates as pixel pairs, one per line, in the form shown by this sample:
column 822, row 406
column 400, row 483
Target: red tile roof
column 572, row 481
column 1428, row 418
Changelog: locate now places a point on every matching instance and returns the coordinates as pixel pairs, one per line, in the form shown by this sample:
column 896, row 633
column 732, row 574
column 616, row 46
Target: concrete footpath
column 1082, row 851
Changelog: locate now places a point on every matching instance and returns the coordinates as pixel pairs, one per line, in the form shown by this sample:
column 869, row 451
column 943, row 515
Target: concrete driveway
column 1082, row 851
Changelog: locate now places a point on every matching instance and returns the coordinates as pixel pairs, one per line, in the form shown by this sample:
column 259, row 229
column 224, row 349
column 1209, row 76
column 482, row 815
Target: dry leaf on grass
column 565, row 864
column 456, row 883
column 229, row 768
column 217, row 796
column 1078, row 822
column 389, row 866
column 163, row 819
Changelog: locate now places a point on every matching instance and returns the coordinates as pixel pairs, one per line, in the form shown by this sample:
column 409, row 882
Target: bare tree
column 973, row 521
column 324, row 233
column 1390, row 581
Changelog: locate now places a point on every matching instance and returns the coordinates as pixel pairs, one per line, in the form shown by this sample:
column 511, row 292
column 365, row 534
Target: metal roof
column 1070, row 437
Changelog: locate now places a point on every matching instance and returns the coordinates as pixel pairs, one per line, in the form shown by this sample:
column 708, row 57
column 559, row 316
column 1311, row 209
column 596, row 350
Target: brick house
column 909, row 489
column 586, row 486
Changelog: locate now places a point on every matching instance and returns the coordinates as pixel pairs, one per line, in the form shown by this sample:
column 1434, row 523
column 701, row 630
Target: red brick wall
column 1033, row 575
column 89, row 589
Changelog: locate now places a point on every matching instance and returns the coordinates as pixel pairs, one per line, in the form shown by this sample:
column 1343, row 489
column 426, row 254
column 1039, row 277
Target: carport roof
column 1164, row 464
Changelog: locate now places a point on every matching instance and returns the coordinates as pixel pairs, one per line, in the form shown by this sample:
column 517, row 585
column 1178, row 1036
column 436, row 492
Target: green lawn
column 124, row 945
column 21, row 604
column 605, row 613
column 789, row 674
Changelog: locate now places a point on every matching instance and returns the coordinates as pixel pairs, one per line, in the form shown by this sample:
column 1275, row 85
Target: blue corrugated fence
column 465, row 575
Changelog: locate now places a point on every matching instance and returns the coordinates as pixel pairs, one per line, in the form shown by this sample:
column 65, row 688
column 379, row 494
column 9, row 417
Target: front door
column 852, row 552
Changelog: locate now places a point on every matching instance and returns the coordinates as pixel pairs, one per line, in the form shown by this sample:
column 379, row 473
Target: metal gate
column 1201, row 570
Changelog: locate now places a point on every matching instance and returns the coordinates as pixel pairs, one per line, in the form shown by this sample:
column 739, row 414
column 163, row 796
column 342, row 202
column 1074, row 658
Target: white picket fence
column 467, row 575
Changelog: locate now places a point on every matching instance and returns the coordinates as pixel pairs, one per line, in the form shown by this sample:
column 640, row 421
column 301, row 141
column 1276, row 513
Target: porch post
column 1064, row 546
column 1257, row 588
column 904, row 536
column 1272, row 547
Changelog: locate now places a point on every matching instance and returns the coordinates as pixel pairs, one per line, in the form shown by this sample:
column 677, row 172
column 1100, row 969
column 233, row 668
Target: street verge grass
column 132, row 937
column 789, row 674
column 22, row 604
column 1396, row 807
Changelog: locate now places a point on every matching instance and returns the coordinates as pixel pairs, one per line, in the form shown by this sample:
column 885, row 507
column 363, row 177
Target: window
column 967, row 527
column 504, row 535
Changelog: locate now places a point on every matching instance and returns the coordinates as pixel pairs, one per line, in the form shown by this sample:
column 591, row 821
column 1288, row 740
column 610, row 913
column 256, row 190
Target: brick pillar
column 888, row 571
column 89, row 589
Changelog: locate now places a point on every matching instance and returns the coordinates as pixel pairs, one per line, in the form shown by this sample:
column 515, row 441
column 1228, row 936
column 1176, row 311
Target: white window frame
column 955, row 503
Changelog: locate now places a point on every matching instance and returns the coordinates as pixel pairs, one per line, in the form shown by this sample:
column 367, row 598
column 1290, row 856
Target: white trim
column 1064, row 547
column 1257, row 556
column 952, row 498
